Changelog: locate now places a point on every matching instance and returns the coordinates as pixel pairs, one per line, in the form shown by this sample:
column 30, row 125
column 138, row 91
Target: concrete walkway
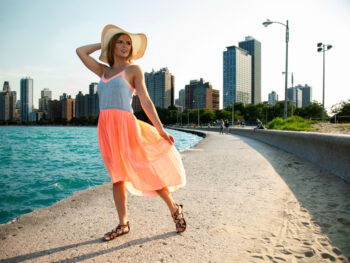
column 244, row 201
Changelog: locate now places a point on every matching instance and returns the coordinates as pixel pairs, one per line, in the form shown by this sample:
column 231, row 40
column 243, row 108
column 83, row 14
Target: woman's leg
column 175, row 210
column 119, row 194
column 166, row 196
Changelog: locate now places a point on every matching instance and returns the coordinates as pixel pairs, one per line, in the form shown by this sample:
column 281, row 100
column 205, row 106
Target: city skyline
column 190, row 50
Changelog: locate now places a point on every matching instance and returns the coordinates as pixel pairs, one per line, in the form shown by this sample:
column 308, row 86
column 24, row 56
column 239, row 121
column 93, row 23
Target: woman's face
column 122, row 46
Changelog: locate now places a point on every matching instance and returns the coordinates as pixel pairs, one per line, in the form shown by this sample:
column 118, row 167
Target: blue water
column 42, row 165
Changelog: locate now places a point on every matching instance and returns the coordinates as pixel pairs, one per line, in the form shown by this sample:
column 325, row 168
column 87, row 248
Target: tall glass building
column 26, row 99
column 237, row 76
column 254, row 48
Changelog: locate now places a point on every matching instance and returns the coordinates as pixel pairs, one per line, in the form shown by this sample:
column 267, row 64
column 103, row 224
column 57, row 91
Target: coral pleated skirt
column 134, row 152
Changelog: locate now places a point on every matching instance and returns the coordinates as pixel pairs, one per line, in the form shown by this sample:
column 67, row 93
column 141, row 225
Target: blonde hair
column 110, row 49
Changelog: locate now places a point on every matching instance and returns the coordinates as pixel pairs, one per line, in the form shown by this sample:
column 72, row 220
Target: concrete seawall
column 331, row 152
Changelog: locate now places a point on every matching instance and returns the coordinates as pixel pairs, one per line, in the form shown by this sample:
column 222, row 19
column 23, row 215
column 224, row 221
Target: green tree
column 341, row 111
column 223, row 114
column 312, row 111
column 206, row 116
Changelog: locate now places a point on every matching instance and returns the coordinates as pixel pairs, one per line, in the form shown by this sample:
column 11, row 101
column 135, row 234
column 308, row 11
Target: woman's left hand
column 167, row 136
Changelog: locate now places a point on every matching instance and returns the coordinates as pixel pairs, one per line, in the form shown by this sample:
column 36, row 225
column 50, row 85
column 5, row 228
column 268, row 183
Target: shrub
column 295, row 123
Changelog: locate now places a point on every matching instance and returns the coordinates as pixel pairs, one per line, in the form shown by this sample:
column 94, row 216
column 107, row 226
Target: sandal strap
column 118, row 231
column 179, row 219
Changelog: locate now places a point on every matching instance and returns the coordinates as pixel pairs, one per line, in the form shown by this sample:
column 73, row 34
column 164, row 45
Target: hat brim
column 139, row 42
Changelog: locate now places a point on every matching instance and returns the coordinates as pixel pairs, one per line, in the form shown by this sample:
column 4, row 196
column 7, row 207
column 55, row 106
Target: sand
column 245, row 201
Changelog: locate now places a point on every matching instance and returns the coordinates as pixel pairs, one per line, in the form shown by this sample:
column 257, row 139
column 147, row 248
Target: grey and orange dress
column 132, row 150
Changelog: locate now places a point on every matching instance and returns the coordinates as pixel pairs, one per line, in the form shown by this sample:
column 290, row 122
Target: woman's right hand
column 167, row 136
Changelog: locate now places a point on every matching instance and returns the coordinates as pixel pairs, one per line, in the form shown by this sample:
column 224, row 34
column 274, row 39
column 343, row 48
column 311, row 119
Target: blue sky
column 39, row 38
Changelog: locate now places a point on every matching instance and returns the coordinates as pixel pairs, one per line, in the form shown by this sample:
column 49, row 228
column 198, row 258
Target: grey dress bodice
column 115, row 93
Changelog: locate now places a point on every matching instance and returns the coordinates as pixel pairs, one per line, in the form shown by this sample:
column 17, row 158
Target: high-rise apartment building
column 306, row 94
column 273, row 98
column 199, row 94
column 86, row 105
column 68, row 108
column 253, row 47
column 160, row 87
column 55, row 109
column 7, row 103
column 27, row 87
column 81, row 105
column 237, row 76
column 216, row 99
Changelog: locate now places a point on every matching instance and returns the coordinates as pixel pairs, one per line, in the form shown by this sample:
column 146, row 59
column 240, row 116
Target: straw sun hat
column 139, row 42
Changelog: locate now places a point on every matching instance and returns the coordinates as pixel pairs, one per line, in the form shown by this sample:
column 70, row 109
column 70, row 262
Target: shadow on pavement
column 86, row 256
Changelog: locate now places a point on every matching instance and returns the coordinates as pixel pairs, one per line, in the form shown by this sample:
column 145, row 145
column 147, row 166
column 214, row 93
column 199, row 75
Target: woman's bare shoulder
column 134, row 69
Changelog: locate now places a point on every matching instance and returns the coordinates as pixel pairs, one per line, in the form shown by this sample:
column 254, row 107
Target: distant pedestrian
column 227, row 125
column 221, row 123
column 239, row 123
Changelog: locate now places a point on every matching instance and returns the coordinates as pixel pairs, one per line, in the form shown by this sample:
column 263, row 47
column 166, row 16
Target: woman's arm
column 84, row 52
column 146, row 102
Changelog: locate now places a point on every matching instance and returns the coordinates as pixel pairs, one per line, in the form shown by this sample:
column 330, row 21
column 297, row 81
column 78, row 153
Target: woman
column 138, row 156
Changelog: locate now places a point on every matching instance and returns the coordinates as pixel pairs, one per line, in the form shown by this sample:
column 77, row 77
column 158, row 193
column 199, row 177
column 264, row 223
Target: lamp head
column 329, row 47
column 319, row 49
column 267, row 23
column 319, row 44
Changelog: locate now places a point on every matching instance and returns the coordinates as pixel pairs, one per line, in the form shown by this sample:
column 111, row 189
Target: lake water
column 42, row 165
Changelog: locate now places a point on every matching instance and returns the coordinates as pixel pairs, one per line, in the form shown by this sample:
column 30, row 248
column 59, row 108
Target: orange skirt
column 134, row 152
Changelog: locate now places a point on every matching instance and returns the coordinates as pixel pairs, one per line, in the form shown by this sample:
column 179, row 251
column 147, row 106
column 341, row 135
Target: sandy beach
column 245, row 201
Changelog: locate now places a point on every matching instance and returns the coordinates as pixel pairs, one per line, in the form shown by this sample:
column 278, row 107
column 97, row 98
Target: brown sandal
column 179, row 219
column 118, row 231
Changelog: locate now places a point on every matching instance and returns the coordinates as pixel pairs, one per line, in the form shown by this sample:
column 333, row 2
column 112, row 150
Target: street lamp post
column 323, row 48
column 293, row 93
column 267, row 23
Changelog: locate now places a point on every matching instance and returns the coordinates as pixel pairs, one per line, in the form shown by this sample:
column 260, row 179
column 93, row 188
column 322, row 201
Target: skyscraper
column 273, row 98
column 307, row 94
column 237, row 76
column 182, row 97
column 46, row 96
column 93, row 104
column 46, row 93
column 160, row 87
column 253, row 46
column 26, row 99
column 7, row 103
column 295, row 96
